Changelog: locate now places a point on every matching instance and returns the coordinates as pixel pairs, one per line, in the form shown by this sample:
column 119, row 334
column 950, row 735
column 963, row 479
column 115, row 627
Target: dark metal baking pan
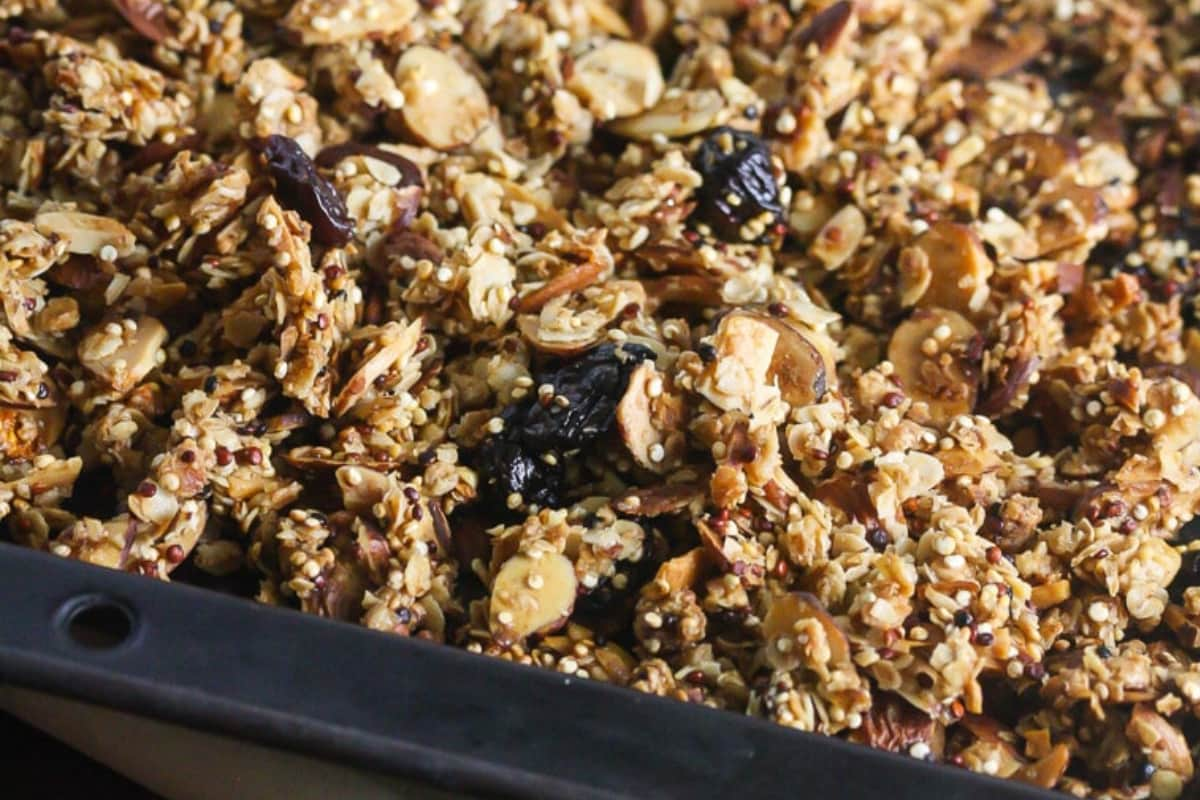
column 435, row 714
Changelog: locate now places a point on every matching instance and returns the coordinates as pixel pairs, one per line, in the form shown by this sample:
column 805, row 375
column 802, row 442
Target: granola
column 831, row 362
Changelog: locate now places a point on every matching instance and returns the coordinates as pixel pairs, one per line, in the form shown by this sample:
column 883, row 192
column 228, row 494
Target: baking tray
column 434, row 714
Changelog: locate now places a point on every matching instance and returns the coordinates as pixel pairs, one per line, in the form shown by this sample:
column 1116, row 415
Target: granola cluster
column 834, row 363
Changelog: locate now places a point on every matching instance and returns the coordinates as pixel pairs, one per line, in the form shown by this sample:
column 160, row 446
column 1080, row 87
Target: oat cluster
column 834, row 363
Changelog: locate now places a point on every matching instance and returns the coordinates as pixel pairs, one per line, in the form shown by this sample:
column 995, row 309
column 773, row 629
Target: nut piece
column 989, row 56
column 1163, row 743
column 929, row 353
column 122, row 356
column 445, row 107
column 617, row 79
column 757, row 355
column 674, row 116
column 650, row 420
column 87, row 234
column 531, row 595
column 794, row 614
column 957, row 269
column 839, row 237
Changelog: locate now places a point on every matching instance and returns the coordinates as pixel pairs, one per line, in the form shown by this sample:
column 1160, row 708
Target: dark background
column 33, row 766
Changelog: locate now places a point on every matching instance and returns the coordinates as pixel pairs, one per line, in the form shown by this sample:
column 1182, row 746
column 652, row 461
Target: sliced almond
column 86, row 234
column 1050, row 594
column 123, row 360
column 839, row 237
column 915, row 351
column 995, row 54
column 681, row 572
column 1046, row 771
column 347, row 20
column 445, row 107
column 1163, row 743
column 792, row 610
column 650, row 421
column 1064, row 216
column 617, row 79
column 958, row 266
column 531, row 595
column 674, row 116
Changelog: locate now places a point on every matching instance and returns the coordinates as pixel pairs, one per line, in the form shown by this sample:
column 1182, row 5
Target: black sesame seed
column 210, row 384
column 963, row 618
column 707, row 352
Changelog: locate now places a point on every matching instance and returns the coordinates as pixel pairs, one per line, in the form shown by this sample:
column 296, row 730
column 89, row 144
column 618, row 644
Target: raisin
column 587, row 391
column 739, row 198
column 301, row 188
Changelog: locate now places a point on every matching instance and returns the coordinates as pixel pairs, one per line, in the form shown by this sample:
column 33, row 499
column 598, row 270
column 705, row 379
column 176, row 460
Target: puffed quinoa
column 830, row 362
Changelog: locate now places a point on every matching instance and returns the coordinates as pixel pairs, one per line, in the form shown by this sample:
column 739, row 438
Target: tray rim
column 34, row 653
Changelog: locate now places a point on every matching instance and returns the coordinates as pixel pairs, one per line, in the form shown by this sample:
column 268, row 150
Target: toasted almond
column 617, row 79
column 996, row 54
column 958, row 266
column 915, row 351
column 86, row 234
column 1050, row 594
column 445, row 107
column 793, row 609
column 124, row 365
column 794, row 363
column 682, row 572
column 675, row 115
column 1163, row 743
column 518, row 609
column 1064, row 216
column 839, row 237
column 347, row 20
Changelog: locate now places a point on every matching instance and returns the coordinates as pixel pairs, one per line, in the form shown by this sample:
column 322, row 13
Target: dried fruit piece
column 531, row 595
column 739, row 197
column 580, row 408
column 957, row 265
column 617, row 79
column 445, row 107
column 298, row 186
column 916, row 351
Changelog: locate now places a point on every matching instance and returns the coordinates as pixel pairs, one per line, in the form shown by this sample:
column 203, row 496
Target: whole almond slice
column 785, row 614
column 86, row 234
column 531, row 595
column 948, row 389
column 445, row 107
column 675, row 115
column 124, row 365
column 617, row 79
column 958, row 267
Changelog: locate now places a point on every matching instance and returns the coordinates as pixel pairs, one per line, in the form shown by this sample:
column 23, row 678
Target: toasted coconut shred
column 833, row 363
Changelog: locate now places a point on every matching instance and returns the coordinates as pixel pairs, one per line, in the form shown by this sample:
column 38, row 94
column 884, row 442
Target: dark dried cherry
column 300, row 187
column 590, row 387
column 739, row 198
